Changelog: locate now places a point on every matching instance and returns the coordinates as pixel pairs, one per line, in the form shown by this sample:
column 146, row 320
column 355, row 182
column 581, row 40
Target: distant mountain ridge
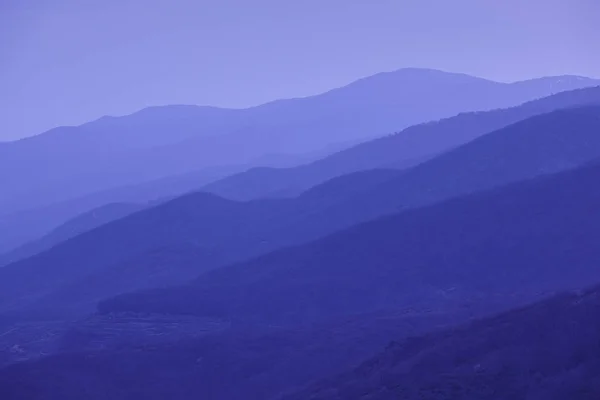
column 73, row 161
column 404, row 149
column 22, row 227
column 451, row 238
column 71, row 228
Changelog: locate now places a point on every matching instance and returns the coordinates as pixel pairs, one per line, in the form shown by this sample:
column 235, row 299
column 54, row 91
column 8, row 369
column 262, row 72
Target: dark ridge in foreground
column 547, row 351
column 139, row 357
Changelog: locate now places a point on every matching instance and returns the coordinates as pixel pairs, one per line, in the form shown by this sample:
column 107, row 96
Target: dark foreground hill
column 177, row 241
column 547, row 351
column 156, row 357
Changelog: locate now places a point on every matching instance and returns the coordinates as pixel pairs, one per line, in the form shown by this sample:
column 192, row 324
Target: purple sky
column 70, row 61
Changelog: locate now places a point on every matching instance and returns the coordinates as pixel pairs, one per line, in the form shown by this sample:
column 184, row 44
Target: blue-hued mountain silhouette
column 22, row 227
column 147, row 290
column 165, row 151
column 489, row 250
column 393, row 151
column 410, row 147
column 505, row 246
column 73, row 161
column 184, row 237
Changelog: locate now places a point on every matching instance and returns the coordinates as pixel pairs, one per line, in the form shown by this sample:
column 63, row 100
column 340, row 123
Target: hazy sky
column 70, row 61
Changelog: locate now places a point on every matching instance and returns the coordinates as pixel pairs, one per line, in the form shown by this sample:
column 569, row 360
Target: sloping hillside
column 216, row 231
column 498, row 247
column 547, row 351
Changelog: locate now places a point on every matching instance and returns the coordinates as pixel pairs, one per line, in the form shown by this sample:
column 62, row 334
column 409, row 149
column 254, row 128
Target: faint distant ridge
column 389, row 80
column 556, row 84
column 71, row 228
column 561, row 81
